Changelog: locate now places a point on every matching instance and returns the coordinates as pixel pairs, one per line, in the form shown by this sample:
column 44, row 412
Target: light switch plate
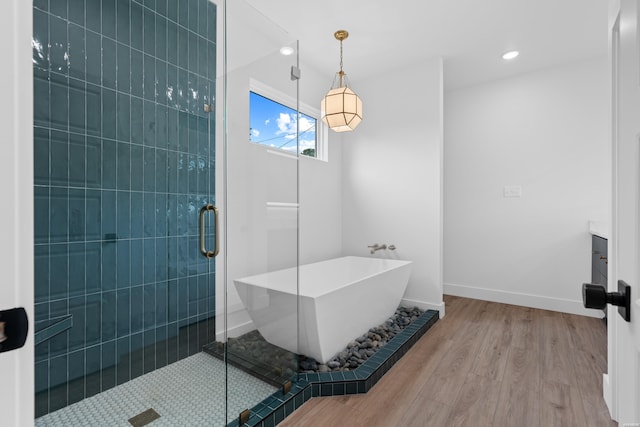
column 512, row 191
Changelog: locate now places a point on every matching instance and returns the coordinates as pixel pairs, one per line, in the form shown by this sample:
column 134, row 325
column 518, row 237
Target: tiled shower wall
column 124, row 159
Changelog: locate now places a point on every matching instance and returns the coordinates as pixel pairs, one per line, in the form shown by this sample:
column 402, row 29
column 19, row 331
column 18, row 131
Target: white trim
column 607, row 394
column 407, row 302
column 526, row 300
column 282, row 205
column 282, row 153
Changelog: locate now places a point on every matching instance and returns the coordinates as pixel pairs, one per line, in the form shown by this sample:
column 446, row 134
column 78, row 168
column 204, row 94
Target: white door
column 624, row 337
column 16, row 213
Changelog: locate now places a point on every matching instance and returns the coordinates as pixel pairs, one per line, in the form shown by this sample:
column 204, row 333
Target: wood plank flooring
column 484, row 364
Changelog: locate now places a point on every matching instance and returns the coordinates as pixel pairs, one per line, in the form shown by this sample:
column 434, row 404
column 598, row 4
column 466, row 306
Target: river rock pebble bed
column 365, row 346
column 252, row 346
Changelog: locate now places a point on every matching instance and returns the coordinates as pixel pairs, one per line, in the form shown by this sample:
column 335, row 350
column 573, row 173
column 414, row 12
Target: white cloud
column 255, row 133
column 266, row 122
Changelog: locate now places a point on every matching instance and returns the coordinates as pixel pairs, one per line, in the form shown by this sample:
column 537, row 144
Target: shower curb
column 275, row 408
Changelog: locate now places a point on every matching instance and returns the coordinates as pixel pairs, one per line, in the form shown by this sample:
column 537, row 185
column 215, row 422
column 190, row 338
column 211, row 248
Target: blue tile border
column 275, row 408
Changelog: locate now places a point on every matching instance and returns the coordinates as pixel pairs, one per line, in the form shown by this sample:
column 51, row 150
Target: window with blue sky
column 275, row 125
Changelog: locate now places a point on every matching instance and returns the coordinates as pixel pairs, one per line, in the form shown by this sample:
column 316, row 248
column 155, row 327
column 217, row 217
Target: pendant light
column 341, row 107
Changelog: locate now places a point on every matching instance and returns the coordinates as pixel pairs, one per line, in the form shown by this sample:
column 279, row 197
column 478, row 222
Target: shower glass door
column 124, row 161
column 261, row 207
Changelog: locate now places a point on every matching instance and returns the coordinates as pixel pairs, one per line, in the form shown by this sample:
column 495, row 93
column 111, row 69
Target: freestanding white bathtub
column 339, row 300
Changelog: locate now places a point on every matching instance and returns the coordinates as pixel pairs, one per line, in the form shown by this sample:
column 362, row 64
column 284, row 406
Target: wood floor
column 484, row 364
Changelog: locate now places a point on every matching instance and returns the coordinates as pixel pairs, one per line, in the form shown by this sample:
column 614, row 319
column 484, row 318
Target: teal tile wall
column 123, row 160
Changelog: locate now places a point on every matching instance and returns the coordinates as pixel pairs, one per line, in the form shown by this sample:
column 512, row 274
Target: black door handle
column 14, row 326
column 596, row 296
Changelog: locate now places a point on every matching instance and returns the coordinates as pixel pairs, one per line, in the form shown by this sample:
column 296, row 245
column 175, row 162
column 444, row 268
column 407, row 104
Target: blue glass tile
column 108, row 372
column 41, row 4
column 93, row 361
column 41, row 214
column 203, row 63
column 58, row 49
column 77, row 270
column 108, row 265
column 172, row 129
column 109, row 64
column 76, row 115
column 136, row 355
column 161, row 303
column 93, row 217
column 161, row 177
column 76, row 11
column 59, row 215
column 109, row 18
column 161, row 7
column 136, row 26
column 58, row 8
column 149, row 215
column 172, row 10
column 93, row 260
column 183, row 13
column 123, row 117
column 77, row 331
column 172, row 43
column 76, row 161
column 108, row 315
column 136, row 313
column 41, row 116
column 77, row 55
column 58, row 371
column 123, row 75
column 193, row 52
column 41, row 156
column 94, row 162
column 211, row 21
column 123, row 250
column 136, row 218
column 149, row 338
column 94, row 114
column 123, row 21
column 211, row 67
column 41, row 273
column 108, row 214
column 149, row 32
column 93, row 57
column 161, row 127
column 193, row 16
column 123, row 364
column 109, row 107
column 137, row 123
column 161, row 38
column 172, row 258
column 109, row 161
column 161, row 346
column 123, row 301
column 182, row 48
column 136, row 260
column 59, row 99
column 149, row 264
column 149, row 120
column 161, row 259
column 123, row 166
column 172, row 301
column 137, row 77
column 94, row 21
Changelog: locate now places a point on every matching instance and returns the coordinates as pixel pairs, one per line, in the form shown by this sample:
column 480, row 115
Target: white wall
column 547, row 132
column 392, row 175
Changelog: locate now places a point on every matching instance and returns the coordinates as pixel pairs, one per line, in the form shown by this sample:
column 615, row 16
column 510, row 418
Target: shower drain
column 144, row 418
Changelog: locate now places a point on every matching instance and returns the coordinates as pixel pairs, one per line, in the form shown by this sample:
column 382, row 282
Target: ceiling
column 471, row 35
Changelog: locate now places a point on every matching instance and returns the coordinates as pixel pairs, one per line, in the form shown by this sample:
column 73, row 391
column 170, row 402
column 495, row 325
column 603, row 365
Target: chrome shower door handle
column 203, row 249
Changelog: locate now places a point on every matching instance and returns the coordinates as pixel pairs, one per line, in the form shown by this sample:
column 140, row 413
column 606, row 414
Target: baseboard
column 606, row 392
column 423, row 305
column 525, row 300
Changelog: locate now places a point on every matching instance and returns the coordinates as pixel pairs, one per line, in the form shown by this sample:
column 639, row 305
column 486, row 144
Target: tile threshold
column 275, row 408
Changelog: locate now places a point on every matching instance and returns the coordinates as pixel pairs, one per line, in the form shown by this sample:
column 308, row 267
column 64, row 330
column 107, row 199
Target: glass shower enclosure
column 150, row 202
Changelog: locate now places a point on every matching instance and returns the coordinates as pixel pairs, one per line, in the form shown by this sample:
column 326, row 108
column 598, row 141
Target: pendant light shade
column 341, row 108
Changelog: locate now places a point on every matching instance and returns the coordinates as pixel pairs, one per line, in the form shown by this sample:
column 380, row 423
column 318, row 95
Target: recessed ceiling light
column 511, row 54
column 286, row 50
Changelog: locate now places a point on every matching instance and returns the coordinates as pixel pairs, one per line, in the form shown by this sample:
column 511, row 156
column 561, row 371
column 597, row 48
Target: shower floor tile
column 189, row 392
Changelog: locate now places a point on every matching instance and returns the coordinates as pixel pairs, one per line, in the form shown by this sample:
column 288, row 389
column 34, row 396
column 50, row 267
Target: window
column 273, row 123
